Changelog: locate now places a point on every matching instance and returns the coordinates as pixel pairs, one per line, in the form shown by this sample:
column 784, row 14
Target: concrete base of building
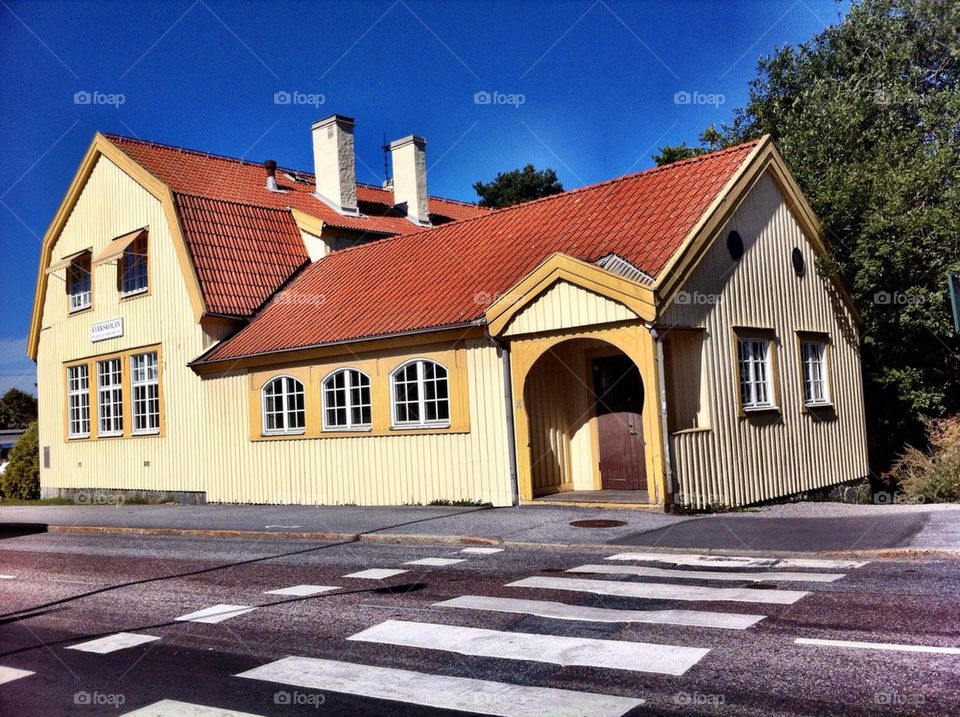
column 117, row 496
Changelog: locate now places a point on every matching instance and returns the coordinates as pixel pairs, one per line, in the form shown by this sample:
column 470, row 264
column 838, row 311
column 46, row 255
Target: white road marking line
column 281, row 526
column 482, row 551
column 376, row 573
column 8, row 577
column 555, row 649
column 217, row 613
column 738, row 562
column 112, row 643
column 302, row 590
column 436, row 562
column 879, row 646
column 705, row 574
column 562, row 611
column 661, row 591
column 175, row 708
column 9, row 674
column 447, row 693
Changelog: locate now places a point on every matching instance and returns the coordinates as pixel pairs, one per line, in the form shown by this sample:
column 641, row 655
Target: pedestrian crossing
column 629, row 580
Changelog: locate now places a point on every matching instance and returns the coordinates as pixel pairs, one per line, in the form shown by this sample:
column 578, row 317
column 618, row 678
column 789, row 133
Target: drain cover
column 598, row 523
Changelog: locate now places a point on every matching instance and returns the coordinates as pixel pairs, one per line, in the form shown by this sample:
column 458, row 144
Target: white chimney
column 334, row 163
column 410, row 177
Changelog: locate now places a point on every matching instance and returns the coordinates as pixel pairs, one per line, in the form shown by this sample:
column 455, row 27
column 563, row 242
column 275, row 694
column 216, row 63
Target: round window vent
column 799, row 265
column 735, row 245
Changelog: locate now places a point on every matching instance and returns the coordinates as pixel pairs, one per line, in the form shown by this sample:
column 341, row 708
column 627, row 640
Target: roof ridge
column 587, row 187
column 251, row 163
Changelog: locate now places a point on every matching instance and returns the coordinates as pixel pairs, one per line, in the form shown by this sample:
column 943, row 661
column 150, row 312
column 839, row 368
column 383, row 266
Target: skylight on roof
column 298, row 178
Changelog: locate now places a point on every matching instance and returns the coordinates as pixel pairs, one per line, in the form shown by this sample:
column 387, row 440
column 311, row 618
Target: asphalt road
column 61, row 591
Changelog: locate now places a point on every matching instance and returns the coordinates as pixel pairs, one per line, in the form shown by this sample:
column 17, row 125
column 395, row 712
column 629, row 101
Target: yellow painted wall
column 565, row 306
column 361, row 469
column 740, row 459
column 110, row 205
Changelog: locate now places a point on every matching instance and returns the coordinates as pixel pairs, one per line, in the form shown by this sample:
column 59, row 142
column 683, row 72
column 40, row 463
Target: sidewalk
column 796, row 528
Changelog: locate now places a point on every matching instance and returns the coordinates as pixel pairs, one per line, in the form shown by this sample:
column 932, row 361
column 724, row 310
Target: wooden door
column 619, row 407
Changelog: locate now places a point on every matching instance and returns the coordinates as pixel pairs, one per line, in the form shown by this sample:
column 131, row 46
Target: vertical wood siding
column 741, row 460
column 566, row 306
column 110, row 205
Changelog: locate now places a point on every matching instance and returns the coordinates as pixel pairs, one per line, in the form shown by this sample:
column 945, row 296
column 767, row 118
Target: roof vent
column 271, row 167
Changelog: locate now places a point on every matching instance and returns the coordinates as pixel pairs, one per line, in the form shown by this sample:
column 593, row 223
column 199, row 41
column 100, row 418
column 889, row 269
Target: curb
column 390, row 538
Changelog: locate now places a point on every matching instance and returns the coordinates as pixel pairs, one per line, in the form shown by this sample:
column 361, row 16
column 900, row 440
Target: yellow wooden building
column 230, row 331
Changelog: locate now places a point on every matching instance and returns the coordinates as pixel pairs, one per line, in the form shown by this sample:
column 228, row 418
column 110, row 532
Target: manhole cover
column 598, row 523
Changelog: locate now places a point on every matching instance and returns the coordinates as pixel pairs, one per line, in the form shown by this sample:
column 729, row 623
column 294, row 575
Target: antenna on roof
column 386, row 164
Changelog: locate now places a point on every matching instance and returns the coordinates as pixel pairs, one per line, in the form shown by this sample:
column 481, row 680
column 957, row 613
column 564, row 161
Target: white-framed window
column 78, row 283
column 283, row 407
column 78, row 401
column 145, row 387
column 421, row 394
column 133, row 267
column 110, row 397
column 813, row 357
column 346, row 401
column 756, row 373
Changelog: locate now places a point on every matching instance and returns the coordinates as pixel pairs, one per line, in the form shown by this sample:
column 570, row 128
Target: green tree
column 518, row 185
column 867, row 116
column 21, row 479
column 711, row 139
column 17, row 409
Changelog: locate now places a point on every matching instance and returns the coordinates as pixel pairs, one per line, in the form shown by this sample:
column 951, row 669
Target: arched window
column 283, row 407
column 346, row 401
column 421, row 395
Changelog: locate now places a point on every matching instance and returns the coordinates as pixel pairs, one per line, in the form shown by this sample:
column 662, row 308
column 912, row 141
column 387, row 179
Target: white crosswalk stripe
column 376, row 573
column 9, row 674
column 897, row 647
column 175, row 708
column 217, row 613
column 586, row 613
column 717, row 561
column 557, row 649
column 736, row 576
column 661, row 591
column 302, row 590
column 112, row 643
column 481, row 551
column 439, row 691
column 436, row 562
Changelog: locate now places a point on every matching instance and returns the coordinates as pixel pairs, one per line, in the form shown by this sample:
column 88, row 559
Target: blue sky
column 587, row 87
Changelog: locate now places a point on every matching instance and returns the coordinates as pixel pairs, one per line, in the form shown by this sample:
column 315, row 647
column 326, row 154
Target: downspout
column 661, row 379
column 503, row 348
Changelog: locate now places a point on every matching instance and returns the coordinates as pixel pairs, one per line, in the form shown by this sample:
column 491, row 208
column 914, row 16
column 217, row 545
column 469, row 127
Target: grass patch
column 461, row 503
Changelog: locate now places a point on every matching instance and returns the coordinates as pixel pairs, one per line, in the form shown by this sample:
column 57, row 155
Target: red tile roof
column 449, row 275
column 242, row 237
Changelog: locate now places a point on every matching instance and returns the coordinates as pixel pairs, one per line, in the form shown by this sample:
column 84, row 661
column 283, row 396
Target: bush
column 932, row 476
column 21, row 479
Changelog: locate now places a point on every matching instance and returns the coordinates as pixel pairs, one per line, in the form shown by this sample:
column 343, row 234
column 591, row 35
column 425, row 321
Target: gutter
column 661, row 379
column 503, row 348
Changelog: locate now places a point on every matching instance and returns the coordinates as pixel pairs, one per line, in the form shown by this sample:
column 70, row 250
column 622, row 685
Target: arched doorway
column 585, row 402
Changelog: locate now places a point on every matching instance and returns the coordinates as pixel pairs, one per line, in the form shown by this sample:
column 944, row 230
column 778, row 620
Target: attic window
column 298, row 178
column 735, row 245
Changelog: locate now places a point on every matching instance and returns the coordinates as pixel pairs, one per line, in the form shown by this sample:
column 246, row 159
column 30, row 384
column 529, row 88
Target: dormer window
column 78, row 282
